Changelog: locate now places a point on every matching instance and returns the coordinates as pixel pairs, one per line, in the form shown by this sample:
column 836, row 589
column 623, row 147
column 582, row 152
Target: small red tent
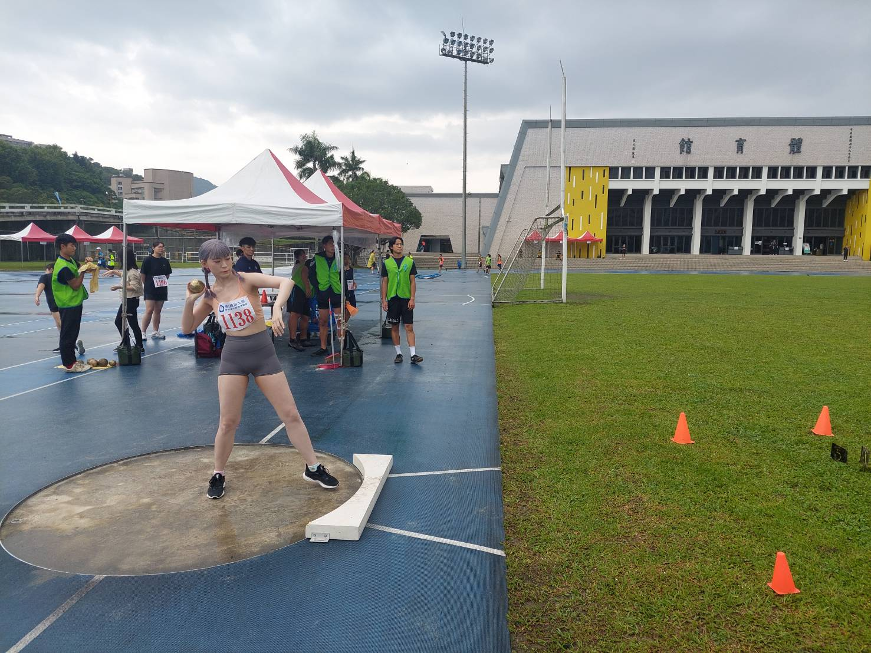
column 79, row 234
column 114, row 235
column 30, row 234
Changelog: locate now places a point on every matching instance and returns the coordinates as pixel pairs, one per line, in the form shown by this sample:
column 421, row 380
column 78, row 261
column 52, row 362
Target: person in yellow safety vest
column 371, row 262
column 324, row 275
column 398, row 296
column 298, row 304
column 69, row 295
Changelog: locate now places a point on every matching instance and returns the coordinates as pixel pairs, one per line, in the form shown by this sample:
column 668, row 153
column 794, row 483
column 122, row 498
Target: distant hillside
column 202, row 186
column 34, row 174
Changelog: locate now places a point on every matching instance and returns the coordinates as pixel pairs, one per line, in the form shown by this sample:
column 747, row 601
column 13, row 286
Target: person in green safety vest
column 298, row 304
column 487, row 264
column 398, row 296
column 324, row 275
column 67, row 285
column 111, row 259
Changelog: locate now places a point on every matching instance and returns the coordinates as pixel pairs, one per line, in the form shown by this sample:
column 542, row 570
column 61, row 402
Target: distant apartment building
column 11, row 140
column 156, row 184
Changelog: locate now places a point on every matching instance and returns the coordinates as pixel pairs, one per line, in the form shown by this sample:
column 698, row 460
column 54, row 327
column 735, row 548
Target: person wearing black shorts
column 324, row 276
column 298, row 304
column 398, row 297
column 44, row 286
column 156, row 271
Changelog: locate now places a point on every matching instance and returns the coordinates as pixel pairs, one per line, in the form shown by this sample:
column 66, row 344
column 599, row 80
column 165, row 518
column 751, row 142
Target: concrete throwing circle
column 150, row 514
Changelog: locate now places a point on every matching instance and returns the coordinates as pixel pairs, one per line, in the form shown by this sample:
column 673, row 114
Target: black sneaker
column 320, row 352
column 398, row 358
column 216, row 486
column 80, row 347
column 320, row 476
column 416, row 359
column 57, row 349
column 295, row 345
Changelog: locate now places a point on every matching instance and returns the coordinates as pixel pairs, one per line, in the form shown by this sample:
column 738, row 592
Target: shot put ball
column 92, row 362
column 102, row 363
column 113, row 363
column 196, row 286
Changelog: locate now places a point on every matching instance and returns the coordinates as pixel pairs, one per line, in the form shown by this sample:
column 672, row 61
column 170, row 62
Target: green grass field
column 619, row 539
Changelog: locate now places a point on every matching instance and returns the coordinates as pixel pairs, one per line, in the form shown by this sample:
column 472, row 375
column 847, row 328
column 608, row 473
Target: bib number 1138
column 236, row 320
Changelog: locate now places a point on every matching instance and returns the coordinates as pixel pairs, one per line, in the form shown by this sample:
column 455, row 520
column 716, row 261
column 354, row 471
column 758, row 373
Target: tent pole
column 124, row 285
column 378, row 267
column 341, row 256
column 272, row 253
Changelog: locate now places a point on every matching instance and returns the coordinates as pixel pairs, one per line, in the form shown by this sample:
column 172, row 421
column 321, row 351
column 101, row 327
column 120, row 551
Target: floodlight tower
column 478, row 50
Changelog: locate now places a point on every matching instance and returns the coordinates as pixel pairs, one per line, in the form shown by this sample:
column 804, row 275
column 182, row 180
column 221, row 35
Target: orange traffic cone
column 682, row 433
column 782, row 580
column 263, row 298
column 823, row 427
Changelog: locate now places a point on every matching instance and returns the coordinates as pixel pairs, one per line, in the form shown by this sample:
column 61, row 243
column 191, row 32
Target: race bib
column 236, row 315
column 350, row 284
column 160, row 281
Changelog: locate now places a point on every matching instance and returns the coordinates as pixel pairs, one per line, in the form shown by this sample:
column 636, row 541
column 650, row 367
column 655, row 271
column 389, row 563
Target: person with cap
column 324, row 275
column 247, row 262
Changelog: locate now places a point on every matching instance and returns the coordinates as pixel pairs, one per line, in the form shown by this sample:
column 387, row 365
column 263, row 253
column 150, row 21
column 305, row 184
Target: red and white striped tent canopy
column 262, row 200
column 114, row 235
column 352, row 214
column 80, row 234
column 30, row 234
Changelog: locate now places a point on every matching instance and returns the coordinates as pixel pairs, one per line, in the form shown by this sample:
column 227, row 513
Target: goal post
column 534, row 269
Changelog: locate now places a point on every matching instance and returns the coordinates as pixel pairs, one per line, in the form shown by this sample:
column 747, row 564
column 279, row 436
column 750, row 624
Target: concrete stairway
column 714, row 262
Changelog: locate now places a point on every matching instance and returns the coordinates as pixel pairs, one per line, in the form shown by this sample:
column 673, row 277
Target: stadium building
column 695, row 186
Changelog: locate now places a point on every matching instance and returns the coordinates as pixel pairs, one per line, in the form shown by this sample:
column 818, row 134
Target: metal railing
column 58, row 208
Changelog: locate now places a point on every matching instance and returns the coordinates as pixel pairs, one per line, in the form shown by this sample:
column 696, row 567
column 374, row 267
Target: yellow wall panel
column 858, row 235
column 587, row 199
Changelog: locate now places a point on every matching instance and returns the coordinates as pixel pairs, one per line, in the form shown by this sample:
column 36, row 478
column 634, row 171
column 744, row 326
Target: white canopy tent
column 263, row 200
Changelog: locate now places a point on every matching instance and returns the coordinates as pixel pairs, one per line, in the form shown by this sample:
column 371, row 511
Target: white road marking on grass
column 471, row 300
column 439, row 472
column 436, row 539
column 79, row 375
column 272, row 433
column 63, row 608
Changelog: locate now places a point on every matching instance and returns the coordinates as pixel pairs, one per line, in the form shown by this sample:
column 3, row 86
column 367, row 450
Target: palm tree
column 351, row 167
column 313, row 155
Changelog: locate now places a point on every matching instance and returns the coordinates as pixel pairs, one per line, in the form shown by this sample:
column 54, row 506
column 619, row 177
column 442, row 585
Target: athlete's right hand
column 36, row 299
column 384, row 305
column 189, row 295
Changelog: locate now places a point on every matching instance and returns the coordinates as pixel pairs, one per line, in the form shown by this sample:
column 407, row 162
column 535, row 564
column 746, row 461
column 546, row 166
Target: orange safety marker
column 352, row 311
column 682, row 433
column 782, row 580
column 263, row 298
column 823, row 427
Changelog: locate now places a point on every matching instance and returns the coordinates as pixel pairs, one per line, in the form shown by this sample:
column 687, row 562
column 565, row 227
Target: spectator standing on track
column 298, row 304
column 134, row 292
column 156, row 271
column 371, row 262
column 111, row 264
column 398, row 296
column 480, row 261
column 247, row 262
column 44, row 285
column 69, row 292
column 487, row 264
column 324, row 277
column 350, row 284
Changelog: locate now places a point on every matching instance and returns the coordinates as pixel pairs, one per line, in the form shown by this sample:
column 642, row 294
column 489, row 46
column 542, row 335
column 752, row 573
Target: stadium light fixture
column 477, row 49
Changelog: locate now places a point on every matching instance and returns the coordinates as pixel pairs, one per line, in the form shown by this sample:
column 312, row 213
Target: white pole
column 463, row 214
column 378, row 268
column 124, row 281
column 272, row 255
column 547, row 201
column 340, row 254
column 563, row 184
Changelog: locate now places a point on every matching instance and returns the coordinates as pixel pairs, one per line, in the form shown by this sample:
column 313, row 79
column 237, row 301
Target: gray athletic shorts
column 254, row 354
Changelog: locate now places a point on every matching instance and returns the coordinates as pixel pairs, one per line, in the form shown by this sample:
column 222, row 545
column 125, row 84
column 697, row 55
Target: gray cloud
column 205, row 86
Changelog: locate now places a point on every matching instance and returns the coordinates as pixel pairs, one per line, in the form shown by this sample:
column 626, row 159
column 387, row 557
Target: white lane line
column 27, row 363
column 272, row 433
column 79, row 375
column 439, row 472
column 63, row 608
column 91, row 347
column 84, row 322
column 470, row 301
column 436, row 539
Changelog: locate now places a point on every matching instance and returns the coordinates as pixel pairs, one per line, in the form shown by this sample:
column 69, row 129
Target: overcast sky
column 206, row 86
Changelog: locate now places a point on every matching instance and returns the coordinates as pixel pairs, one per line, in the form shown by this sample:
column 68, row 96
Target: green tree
column 380, row 196
column 351, row 167
column 313, row 155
